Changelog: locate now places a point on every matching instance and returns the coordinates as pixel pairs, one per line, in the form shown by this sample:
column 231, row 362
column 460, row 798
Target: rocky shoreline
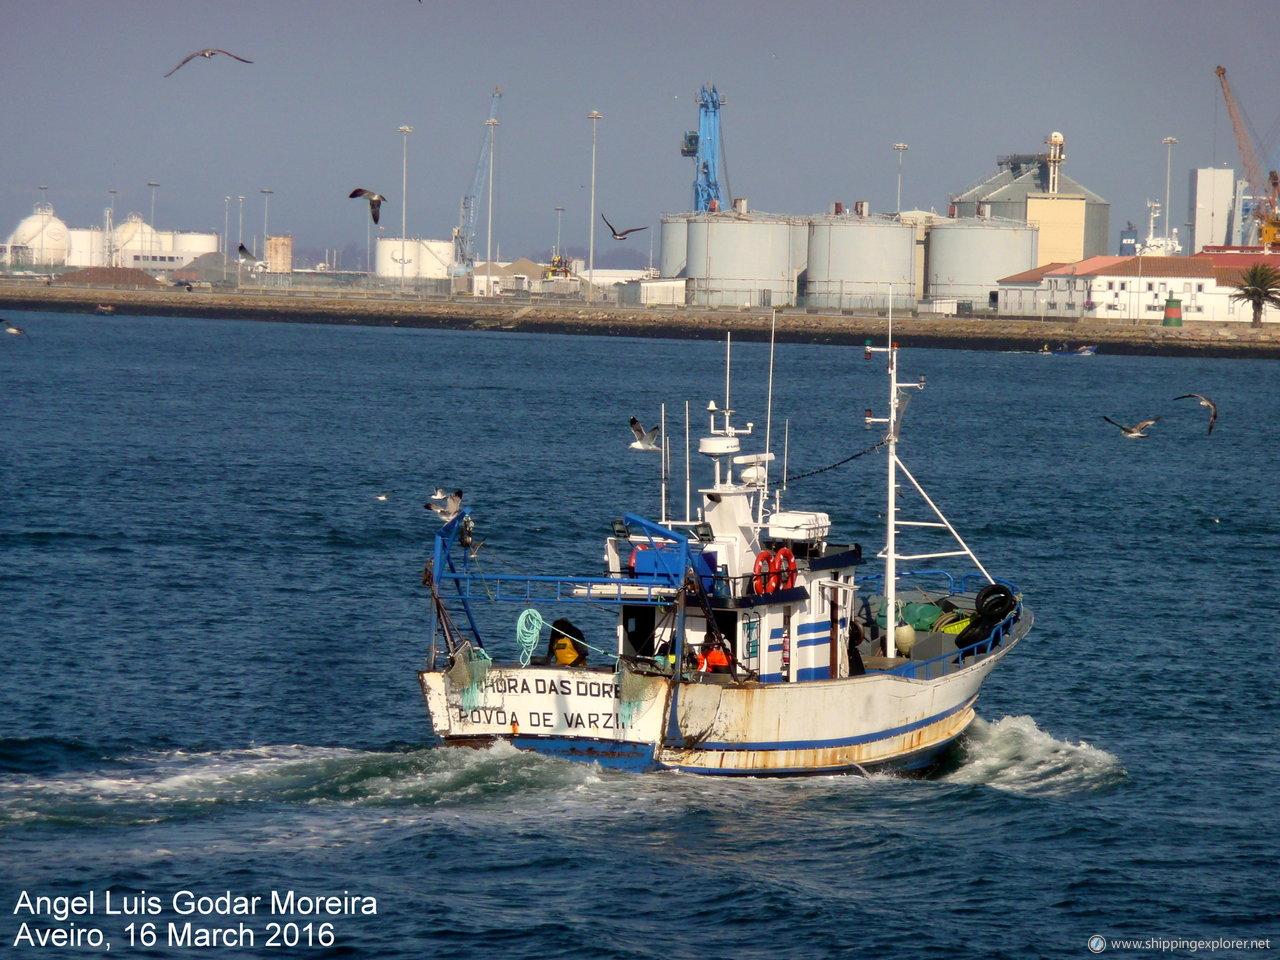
column 796, row 326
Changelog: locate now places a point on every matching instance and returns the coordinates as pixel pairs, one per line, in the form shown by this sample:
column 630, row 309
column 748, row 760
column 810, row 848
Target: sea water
column 211, row 738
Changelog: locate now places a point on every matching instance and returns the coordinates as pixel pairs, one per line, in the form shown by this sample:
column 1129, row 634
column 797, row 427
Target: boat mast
column 896, row 407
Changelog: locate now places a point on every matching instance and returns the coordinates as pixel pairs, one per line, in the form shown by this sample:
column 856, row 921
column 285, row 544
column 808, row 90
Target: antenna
column 665, row 459
column 728, row 355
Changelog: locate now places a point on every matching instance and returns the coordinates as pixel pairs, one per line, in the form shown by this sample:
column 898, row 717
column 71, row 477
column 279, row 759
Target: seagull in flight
column 1136, row 430
column 1204, row 402
column 447, row 510
column 614, row 231
column 645, row 439
column 246, row 253
column 375, row 200
column 14, row 329
column 206, row 54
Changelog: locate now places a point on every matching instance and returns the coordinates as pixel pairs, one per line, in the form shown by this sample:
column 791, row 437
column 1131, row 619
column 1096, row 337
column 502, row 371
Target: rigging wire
column 840, row 463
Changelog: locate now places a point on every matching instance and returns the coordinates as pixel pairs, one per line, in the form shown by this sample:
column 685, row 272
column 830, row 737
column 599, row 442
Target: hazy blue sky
column 817, row 92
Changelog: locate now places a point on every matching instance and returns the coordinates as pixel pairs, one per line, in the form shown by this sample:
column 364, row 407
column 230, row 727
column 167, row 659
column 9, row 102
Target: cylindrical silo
column 675, row 244
column 965, row 259
column 741, row 260
column 856, row 262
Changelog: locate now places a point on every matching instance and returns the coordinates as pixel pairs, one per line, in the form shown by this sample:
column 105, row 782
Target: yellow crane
column 1265, row 188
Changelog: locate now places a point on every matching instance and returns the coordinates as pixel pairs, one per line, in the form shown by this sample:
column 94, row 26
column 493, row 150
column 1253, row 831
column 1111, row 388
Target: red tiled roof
column 1156, row 267
column 1034, row 275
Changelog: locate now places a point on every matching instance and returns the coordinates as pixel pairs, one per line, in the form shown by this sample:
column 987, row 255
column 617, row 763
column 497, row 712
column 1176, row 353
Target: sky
column 816, row 94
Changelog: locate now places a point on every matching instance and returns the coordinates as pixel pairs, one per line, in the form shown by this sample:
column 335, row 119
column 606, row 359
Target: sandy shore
column 1192, row 339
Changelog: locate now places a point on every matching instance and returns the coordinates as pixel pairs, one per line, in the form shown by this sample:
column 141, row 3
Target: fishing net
column 634, row 691
column 470, row 667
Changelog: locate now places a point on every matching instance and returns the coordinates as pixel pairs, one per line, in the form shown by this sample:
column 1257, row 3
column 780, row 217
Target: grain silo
column 675, row 244
column 742, row 259
column 964, row 259
column 854, row 262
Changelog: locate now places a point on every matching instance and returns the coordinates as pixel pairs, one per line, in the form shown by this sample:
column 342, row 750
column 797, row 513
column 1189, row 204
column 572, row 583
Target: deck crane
column 464, row 234
column 1265, row 189
column 704, row 146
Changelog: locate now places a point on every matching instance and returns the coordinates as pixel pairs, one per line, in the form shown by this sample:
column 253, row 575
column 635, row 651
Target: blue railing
column 920, row 669
column 530, row 589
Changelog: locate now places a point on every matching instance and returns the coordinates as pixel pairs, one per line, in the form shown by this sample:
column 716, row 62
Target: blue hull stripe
column 814, row 673
column 821, row 626
column 920, row 760
column 838, row 741
column 636, row 757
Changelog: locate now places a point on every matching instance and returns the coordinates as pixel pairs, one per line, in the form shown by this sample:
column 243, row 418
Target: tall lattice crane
column 704, row 146
column 464, row 234
column 1265, row 188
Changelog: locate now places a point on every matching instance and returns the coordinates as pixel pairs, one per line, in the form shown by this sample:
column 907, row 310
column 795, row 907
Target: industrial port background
column 817, row 93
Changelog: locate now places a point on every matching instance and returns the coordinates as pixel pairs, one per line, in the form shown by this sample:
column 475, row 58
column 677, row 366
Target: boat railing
column 875, row 581
column 544, row 589
column 935, row 667
column 969, row 583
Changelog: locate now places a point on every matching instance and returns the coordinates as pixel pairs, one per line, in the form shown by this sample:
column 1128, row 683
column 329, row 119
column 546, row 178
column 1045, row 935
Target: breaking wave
column 1014, row 754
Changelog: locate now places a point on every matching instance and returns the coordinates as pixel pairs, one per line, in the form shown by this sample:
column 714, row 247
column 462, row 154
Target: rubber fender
column 994, row 602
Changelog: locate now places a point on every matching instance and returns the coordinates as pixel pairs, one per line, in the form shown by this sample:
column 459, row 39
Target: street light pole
column 404, row 190
column 559, row 214
column 1168, row 169
column 44, row 219
column 492, row 124
column 226, row 235
column 266, row 199
column 901, row 148
column 593, row 116
column 154, row 239
column 239, row 241
column 111, row 232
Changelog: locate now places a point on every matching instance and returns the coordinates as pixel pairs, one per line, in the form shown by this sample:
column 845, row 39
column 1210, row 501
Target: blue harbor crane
column 464, row 234
column 704, row 146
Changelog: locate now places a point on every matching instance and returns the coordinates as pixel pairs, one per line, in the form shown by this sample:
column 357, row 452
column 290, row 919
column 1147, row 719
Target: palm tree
column 1259, row 286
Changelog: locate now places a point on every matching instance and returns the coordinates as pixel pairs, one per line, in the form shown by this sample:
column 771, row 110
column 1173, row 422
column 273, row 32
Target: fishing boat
column 1084, row 350
column 744, row 641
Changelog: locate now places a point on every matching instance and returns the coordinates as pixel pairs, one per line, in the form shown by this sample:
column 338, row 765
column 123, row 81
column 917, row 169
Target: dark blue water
column 211, row 626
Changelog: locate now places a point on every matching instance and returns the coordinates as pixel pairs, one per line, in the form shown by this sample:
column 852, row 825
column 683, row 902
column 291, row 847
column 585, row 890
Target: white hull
column 852, row 724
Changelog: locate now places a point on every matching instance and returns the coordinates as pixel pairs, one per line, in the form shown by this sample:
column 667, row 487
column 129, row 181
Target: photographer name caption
column 102, row 919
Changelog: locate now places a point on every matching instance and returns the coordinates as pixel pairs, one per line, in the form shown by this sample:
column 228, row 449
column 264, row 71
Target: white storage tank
column 854, row 261
column 134, row 237
column 965, row 258
column 742, row 259
column 675, row 244
column 44, row 236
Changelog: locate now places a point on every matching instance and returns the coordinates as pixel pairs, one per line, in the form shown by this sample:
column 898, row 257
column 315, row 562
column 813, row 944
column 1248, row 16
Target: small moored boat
column 745, row 641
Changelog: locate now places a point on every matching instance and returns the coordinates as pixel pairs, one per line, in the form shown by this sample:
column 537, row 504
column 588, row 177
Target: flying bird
column 206, row 54
column 449, row 509
column 246, row 253
column 1136, row 430
column 375, row 200
column 1204, row 402
column 15, row 330
column 645, row 439
column 614, row 231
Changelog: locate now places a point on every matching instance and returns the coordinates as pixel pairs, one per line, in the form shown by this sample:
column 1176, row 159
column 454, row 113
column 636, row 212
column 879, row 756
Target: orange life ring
column 786, row 579
column 764, row 563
